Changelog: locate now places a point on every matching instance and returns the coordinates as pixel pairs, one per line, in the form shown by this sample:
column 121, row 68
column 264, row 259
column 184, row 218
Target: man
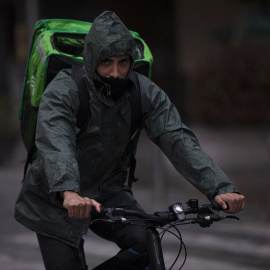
column 71, row 175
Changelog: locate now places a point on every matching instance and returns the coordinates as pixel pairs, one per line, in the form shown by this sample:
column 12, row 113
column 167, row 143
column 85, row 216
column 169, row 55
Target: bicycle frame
column 156, row 260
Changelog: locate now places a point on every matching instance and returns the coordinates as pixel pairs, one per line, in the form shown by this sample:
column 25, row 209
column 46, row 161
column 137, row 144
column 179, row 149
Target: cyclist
column 71, row 175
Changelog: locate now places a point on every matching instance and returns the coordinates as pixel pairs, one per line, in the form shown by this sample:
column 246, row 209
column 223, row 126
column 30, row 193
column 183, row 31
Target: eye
column 124, row 61
column 106, row 62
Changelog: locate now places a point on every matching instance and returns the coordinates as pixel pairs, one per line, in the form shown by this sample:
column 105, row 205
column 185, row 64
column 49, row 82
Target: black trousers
column 131, row 239
column 59, row 255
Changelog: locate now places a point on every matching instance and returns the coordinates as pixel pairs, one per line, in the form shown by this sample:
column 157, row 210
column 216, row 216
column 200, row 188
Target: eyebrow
column 125, row 58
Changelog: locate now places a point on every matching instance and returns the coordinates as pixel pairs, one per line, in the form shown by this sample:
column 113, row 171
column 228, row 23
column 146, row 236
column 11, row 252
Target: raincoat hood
column 107, row 37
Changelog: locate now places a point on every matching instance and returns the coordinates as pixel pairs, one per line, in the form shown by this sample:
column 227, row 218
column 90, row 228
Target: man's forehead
column 121, row 57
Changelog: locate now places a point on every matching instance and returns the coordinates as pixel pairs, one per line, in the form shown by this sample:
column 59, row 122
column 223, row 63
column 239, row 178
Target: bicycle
column 164, row 221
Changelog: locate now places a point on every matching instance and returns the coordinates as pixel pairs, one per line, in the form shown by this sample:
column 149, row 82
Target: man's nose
column 114, row 72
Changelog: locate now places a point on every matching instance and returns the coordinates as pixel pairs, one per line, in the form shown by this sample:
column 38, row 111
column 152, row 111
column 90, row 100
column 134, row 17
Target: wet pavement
column 229, row 244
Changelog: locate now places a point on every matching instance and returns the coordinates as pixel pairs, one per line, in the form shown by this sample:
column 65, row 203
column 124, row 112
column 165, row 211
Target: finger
column 88, row 208
column 76, row 211
column 71, row 213
column 96, row 205
column 241, row 203
column 85, row 208
column 232, row 202
column 75, row 208
column 221, row 203
column 82, row 210
column 236, row 203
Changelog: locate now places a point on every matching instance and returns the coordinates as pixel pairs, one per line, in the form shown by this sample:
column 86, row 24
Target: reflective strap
column 41, row 51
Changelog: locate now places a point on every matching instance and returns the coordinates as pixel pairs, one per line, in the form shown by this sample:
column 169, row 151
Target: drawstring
column 108, row 89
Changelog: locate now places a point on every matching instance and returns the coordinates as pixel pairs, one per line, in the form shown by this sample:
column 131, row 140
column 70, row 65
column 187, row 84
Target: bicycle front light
column 178, row 210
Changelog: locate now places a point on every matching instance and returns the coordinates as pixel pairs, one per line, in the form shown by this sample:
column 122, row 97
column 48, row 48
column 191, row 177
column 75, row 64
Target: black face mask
column 113, row 82
column 117, row 86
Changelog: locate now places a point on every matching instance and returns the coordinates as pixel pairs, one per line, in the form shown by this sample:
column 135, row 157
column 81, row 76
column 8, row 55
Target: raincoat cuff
column 56, row 196
column 225, row 190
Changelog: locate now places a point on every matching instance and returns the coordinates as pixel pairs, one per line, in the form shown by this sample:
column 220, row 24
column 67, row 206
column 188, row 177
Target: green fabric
column 43, row 31
column 45, row 43
column 95, row 164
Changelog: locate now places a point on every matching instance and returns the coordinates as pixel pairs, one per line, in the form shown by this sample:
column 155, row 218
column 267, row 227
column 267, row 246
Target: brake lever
column 218, row 208
column 109, row 216
column 207, row 214
column 232, row 217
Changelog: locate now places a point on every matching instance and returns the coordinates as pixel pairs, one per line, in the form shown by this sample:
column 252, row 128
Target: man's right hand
column 77, row 206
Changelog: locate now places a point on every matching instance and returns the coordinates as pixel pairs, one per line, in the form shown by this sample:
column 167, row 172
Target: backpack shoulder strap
column 136, row 120
column 135, row 104
column 83, row 114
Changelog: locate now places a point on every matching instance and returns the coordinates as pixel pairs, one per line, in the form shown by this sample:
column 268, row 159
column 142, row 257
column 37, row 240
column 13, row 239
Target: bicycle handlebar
column 206, row 214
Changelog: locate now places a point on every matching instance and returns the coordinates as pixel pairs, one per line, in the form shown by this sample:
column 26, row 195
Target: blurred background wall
column 211, row 58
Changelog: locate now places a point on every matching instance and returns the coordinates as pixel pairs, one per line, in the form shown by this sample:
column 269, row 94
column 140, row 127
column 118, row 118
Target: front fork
column 156, row 260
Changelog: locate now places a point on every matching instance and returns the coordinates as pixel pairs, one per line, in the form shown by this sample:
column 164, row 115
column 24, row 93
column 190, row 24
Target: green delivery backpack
column 58, row 44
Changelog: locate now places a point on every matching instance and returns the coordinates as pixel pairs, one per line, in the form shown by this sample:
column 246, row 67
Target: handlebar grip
column 216, row 206
column 94, row 212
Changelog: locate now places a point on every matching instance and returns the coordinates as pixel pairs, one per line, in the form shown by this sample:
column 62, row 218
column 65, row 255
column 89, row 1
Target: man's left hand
column 231, row 202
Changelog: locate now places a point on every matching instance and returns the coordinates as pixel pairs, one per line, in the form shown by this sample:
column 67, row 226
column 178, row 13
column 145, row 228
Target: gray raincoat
column 95, row 164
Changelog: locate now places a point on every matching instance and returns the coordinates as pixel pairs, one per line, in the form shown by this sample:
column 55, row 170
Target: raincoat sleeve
column 164, row 127
column 56, row 135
